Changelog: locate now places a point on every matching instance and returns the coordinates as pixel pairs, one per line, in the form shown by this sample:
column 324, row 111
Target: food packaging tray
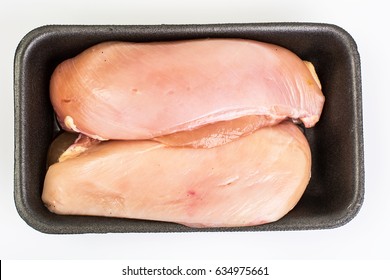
column 336, row 189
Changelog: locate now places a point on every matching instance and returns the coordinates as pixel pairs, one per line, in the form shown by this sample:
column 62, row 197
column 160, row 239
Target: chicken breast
column 253, row 180
column 130, row 91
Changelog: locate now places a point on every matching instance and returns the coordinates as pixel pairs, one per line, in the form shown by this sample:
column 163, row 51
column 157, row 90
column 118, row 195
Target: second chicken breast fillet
column 253, row 180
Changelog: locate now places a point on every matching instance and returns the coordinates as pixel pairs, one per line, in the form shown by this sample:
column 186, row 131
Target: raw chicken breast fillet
column 253, row 180
column 123, row 90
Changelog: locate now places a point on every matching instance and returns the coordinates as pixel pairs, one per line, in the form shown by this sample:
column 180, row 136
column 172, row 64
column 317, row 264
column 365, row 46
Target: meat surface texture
column 253, row 180
column 132, row 91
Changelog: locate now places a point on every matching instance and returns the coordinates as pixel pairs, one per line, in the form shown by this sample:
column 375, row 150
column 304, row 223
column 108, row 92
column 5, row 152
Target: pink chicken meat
column 130, row 91
column 253, row 180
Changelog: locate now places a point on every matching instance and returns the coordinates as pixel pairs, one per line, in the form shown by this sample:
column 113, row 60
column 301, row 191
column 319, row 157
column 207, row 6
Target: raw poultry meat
column 253, row 180
column 123, row 90
column 197, row 132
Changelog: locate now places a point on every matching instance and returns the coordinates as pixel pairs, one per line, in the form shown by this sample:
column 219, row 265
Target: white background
column 365, row 237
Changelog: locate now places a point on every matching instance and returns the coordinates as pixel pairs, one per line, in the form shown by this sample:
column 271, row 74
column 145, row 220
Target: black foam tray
column 336, row 190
